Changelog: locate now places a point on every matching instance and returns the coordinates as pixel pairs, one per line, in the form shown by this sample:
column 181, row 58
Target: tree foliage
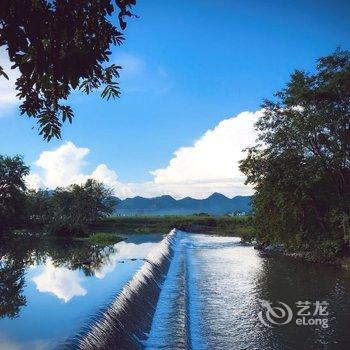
column 59, row 46
column 300, row 166
column 65, row 211
column 39, row 208
column 78, row 206
column 12, row 190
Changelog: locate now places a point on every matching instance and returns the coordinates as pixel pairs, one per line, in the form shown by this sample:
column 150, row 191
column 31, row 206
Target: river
column 218, row 294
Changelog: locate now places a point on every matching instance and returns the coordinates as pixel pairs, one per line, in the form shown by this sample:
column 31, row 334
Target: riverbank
column 240, row 226
column 312, row 256
column 93, row 238
column 107, row 231
column 101, row 238
column 343, row 261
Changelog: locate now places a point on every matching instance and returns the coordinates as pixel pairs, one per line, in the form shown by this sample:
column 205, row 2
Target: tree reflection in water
column 11, row 285
column 19, row 253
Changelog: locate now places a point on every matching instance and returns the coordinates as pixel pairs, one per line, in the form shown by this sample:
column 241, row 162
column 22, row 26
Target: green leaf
column 3, row 73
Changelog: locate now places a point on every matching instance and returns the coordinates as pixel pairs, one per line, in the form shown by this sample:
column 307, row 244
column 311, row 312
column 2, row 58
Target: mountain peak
column 217, row 195
column 164, row 199
column 167, row 196
column 215, row 204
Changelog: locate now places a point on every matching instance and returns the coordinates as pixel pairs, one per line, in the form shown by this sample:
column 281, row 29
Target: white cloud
column 60, row 281
column 209, row 165
column 34, row 181
column 123, row 251
column 64, row 166
column 103, row 174
column 8, row 99
column 110, row 178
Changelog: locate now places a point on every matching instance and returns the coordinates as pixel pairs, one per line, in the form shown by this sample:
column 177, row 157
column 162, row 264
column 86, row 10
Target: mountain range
column 216, row 204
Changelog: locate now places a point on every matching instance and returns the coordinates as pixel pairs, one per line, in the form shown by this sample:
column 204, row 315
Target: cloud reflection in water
column 62, row 282
column 66, row 284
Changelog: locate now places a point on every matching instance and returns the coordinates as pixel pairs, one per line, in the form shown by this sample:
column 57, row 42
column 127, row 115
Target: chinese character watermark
column 307, row 313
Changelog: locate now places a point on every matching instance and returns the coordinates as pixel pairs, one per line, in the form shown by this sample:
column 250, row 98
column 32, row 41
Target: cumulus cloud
column 8, row 99
column 34, row 181
column 64, row 166
column 209, row 165
column 60, row 281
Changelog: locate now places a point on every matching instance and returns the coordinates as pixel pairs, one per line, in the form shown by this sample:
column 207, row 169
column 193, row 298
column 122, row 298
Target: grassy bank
column 224, row 225
column 101, row 238
column 106, row 231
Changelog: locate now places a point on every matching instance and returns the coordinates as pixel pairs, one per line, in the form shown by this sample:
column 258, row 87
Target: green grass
column 101, row 238
column 223, row 225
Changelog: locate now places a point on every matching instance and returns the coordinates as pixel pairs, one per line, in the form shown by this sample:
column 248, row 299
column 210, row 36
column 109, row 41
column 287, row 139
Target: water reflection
column 227, row 284
column 60, row 260
column 68, row 280
column 11, row 286
column 211, row 299
column 60, row 281
column 290, row 281
column 123, row 251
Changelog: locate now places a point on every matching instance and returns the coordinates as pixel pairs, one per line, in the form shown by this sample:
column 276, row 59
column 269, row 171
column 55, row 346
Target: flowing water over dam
column 213, row 295
column 210, row 293
column 194, row 291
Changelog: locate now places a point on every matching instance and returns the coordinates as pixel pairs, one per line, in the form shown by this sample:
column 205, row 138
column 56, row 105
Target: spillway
column 127, row 321
column 199, row 292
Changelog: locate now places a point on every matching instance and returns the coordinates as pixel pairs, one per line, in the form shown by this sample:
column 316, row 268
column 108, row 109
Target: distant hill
column 216, row 204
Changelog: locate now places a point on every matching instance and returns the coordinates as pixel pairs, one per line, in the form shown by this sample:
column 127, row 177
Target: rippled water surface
column 213, row 293
column 211, row 297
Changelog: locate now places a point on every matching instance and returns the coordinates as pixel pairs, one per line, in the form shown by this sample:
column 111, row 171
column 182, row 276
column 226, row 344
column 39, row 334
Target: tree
column 77, row 207
column 301, row 165
column 12, row 190
column 39, row 207
column 59, row 46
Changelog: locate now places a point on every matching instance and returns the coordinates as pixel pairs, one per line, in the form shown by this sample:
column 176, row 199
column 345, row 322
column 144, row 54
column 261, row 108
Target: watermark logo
column 306, row 313
column 279, row 314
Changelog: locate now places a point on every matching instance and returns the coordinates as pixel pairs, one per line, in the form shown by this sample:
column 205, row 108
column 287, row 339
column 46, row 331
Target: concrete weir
column 127, row 321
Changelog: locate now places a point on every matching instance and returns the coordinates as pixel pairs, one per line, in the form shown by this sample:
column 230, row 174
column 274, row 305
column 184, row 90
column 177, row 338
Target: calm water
column 210, row 299
column 48, row 290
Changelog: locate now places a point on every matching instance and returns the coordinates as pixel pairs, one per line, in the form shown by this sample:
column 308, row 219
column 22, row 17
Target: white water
column 169, row 326
column 125, row 321
column 211, row 297
column 182, row 316
column 210, row 300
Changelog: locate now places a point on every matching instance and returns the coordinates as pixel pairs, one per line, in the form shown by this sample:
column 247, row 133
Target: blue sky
column 188, row 66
